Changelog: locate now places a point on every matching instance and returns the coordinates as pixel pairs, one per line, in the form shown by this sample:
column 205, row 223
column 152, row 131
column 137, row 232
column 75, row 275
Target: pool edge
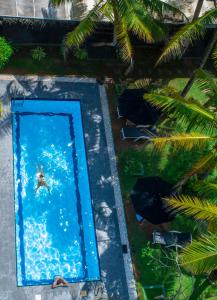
column 128, row 266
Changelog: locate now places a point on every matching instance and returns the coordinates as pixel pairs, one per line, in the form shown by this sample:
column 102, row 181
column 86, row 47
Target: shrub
column 5, row 52
column 38, row 54
column 81, row 54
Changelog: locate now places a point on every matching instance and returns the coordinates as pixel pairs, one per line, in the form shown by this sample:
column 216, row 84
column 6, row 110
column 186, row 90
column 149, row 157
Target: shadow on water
column 113, row 281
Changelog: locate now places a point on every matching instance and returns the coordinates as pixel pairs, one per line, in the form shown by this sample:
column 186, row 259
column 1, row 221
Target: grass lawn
column 179, row 84
column 148, row 260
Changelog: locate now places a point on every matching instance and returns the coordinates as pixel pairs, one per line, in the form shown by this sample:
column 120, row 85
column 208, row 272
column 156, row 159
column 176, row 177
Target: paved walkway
column 117, row 282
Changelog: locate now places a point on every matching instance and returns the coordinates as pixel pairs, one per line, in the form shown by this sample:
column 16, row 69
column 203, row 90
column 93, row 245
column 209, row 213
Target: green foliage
column 200, row 256
column 206, row 189
column 195, row 92
column 194, row 207
column 192, row 124
column 167, row 164
column 6, row 52
column 187, row 35
column 81, row 53
column 38, row 54
column 183, row 223
column 128, row 16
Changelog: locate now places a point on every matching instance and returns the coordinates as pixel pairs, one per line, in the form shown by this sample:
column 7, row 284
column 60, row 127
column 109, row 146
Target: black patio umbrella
column 147, row 197
column 134, row 108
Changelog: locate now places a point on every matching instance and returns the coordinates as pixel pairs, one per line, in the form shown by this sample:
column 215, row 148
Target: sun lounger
column 136, row 133
column 119, row 112
column 172, row 238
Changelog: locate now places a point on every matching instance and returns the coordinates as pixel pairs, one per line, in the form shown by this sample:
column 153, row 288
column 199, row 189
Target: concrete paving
column 117, row 280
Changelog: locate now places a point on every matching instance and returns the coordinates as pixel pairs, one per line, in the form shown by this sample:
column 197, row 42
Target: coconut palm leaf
column 143, row 25
column 200, row 256
column 189, row 112
column 107, row 11
column 85, row 28
column 207, row 84
column 140, row 83
column 181, row 140
column 123, row 39
column 206, row 163
column 193, row 207
column 187, row 35
column 206, row 189
column 160, row 8
column 214, row 55
column 127, row 15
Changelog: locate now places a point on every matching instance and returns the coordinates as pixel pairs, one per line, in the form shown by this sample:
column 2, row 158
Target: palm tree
column 198, row 9
column 199, row 257
column 187, row 35
column 140, row 17
column 192, row 124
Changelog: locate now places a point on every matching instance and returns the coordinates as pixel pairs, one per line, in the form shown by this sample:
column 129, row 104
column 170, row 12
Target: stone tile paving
column 117, row 280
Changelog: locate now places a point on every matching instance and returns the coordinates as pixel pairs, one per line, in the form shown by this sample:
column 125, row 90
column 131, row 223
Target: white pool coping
column 118, row 196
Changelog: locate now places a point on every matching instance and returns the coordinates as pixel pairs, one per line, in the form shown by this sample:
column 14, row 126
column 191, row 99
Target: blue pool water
column 55, row 232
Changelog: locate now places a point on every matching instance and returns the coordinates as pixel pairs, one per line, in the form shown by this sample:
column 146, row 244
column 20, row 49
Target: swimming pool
column 55, row 232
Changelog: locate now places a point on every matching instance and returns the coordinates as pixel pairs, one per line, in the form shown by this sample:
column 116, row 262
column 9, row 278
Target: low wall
column 26, row 31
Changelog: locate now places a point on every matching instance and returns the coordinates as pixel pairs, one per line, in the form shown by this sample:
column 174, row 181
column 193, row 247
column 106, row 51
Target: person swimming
column 41, row 179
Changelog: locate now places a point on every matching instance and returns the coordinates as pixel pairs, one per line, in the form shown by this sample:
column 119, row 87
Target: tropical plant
column 199, row 257
column 5, row 52
column 38, row 54
column 188, row 35
column 81, row 54
column 193, row 124
column 140, row 17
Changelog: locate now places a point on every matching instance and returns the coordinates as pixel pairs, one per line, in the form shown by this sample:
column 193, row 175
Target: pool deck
column 117, row 281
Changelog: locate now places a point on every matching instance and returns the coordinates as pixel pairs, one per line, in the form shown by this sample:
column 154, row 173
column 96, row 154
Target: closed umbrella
column 134, row 108
column 147, row 197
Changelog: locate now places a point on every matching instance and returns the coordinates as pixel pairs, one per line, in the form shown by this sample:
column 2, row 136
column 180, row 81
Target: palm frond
column 187, row 35
column 161, row 8
column 181, row 140
column 193, row 207
column 201, row 256
column 107, row 11
column 140, row 83
column 188, row 111
column 206, row 189
column 84, row 29
column 206, row 82
column 144, row 26
column 206, row 163
column 214, row 55
column 123, row 40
